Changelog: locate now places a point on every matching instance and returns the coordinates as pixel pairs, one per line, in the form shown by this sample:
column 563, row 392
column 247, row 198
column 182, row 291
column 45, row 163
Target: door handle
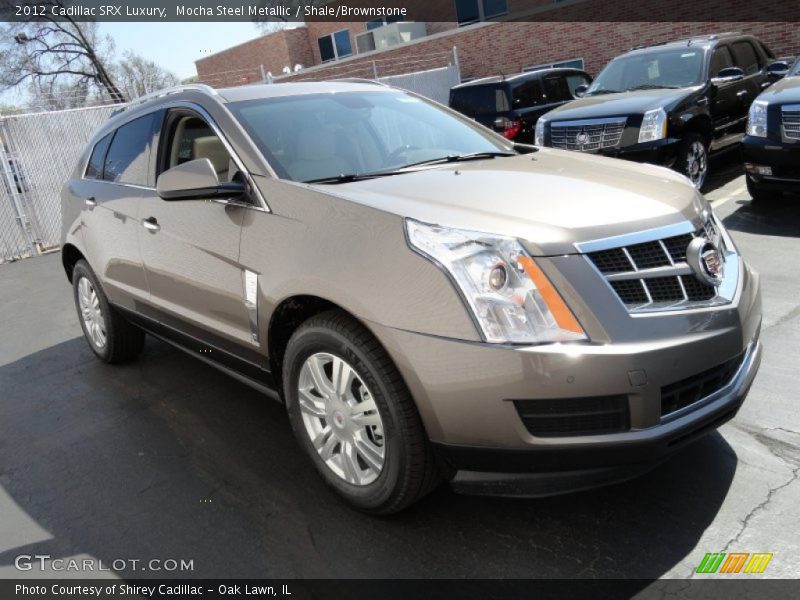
column 151, row 224
column 741, row 93
column 91, row 202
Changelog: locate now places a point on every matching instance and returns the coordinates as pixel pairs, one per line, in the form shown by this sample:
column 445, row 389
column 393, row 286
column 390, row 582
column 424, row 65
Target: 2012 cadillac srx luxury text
column 428, row 299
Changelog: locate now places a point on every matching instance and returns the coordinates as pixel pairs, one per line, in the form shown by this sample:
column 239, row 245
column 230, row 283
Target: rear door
column 113, row 184
column 483, row 103
column 747, row 58
column 190, row 248
column 528, row 103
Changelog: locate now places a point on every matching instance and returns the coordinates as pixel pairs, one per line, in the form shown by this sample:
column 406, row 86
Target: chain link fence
column 38, row 153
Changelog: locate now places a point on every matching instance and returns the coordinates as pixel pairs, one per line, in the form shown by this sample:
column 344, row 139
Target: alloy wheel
column 697, row 163
column 92, row 314
column 341, row 418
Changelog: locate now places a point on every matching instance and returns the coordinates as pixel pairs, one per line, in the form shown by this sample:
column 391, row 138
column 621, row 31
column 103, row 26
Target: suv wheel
column 759, row 194
column 693, row 159
column 352, row 413
column 109, row 335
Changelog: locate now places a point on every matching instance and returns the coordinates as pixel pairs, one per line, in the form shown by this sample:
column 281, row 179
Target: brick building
column 484, row 46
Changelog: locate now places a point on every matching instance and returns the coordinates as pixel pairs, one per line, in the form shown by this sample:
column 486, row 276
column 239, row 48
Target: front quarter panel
column 352, row 255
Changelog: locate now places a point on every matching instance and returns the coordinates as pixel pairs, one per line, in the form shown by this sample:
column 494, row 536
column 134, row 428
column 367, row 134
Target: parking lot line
column 727, row 197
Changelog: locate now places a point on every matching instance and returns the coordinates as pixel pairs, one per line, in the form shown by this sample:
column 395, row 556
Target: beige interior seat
column 316, row 156
column 212, row 148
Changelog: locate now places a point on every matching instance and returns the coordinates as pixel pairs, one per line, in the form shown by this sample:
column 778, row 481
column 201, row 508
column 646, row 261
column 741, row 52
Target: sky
column 174, row 46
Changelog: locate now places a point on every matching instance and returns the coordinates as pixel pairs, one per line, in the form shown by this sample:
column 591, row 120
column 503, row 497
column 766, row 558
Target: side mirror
column 777, row 69
column 728, row 75
column 195, row 180
column 580, row 91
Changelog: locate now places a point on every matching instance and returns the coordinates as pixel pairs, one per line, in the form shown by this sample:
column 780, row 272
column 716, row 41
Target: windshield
column 681, row 67
column 795, row 70
column 318, row 136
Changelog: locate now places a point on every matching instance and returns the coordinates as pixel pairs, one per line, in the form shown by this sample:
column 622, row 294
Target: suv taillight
column 507, row 127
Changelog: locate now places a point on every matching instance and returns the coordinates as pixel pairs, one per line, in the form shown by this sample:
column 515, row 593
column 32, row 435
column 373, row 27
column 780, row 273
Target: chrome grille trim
column 672, row 285
column 790, row 122
column 601, row 133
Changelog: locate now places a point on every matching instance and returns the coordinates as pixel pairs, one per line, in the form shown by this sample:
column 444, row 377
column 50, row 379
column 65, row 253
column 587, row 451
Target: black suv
column 671, row 104
column 771, row 148
column 512, row 105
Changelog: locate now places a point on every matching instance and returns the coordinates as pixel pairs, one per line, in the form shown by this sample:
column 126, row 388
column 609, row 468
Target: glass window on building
column 473, row 11
column 334, row 46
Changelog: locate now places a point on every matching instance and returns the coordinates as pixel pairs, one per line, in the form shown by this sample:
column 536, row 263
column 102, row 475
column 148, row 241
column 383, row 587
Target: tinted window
column 527, row 94
column 479, row 100
column 326, row 48
column 342, row 39
column 573, row 81
column 556, row 90
column 746, row 59
column 94, row 170
column 129, row 155
column 721, row 59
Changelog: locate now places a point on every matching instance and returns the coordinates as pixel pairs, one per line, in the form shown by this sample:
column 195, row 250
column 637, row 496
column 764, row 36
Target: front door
column 190, row 248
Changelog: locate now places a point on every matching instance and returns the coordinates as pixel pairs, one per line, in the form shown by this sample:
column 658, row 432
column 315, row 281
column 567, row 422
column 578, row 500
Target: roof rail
column 187, row 87
column 361, row 80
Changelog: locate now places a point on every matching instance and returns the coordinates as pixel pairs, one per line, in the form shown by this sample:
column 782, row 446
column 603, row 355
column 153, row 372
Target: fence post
column 455, row 62
column 374, row 70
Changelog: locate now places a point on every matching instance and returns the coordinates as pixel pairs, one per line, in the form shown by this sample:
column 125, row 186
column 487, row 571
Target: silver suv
column 429, row 300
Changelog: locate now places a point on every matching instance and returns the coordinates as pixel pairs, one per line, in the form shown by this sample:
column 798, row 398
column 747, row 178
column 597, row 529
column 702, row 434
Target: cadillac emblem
column 706, row 261
column 582, row 138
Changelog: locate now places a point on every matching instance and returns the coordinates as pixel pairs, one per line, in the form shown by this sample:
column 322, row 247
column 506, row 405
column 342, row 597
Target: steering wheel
column 397, row 153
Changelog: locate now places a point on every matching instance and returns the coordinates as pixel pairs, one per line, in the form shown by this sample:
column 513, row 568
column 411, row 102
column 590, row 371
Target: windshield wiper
column 653, row 86
column 451, row 158
column 348, row 177
column 601, row 91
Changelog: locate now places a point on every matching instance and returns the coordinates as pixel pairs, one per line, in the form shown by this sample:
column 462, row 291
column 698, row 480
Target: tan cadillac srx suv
column 429, row 300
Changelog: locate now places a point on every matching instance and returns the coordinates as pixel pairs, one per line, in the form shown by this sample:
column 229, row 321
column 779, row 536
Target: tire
column 395, row 437
column 692, row 159
column 109, row 335
column 760, row 195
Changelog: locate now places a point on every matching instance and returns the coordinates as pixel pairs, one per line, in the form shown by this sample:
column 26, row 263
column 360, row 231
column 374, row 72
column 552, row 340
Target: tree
column 45, row 51
column 138, row 76
column 274, row 23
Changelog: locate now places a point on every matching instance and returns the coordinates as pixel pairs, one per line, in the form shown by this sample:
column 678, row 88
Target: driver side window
column 190, row 138
column 721, row 59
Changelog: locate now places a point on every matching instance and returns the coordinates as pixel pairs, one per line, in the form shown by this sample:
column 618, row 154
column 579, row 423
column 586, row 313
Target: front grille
column 685, row 392
column 574, row 416
column 587, row 136
column 669, row 284
column 791, row 121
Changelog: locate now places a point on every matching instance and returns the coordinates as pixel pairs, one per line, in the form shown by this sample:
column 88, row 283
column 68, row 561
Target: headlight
column 510, row 297
column 654, row 126
column 757, row 119
column 538, row 135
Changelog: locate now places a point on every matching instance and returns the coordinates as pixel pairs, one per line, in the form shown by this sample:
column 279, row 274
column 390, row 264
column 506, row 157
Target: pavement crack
column 760, row 506
column 785, row 318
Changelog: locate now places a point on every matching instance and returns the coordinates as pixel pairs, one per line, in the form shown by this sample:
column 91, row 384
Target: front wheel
column 353, row 415
column 109, row 335
column 693, row 159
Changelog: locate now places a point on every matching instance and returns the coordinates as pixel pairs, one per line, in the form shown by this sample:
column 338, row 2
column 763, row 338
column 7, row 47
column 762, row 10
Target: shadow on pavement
column 777, row 218
column 168, row 458
column 722, row 169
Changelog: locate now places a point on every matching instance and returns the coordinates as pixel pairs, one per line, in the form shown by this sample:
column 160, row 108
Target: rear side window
column 528, row 94
column 94, row 170
column 721, row 59
column 479, row 100
column 556, row 89
column 128, row 156
column 746, row 58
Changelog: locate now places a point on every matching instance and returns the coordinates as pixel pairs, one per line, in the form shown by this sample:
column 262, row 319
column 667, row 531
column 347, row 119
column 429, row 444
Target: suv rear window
column 479, row 99
column 94, row 170
column 128, row 157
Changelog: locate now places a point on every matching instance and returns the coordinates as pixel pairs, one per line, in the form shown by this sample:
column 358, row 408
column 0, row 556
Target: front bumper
column 466, row 393
column 783, row 158
column 661, row 152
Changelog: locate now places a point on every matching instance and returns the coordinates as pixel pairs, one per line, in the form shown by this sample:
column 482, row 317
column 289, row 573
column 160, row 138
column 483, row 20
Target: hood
column 622, row 104
column 784, row 91
column 550, row 199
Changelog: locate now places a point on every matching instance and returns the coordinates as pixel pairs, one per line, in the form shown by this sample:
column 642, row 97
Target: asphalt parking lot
column 168, row 458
